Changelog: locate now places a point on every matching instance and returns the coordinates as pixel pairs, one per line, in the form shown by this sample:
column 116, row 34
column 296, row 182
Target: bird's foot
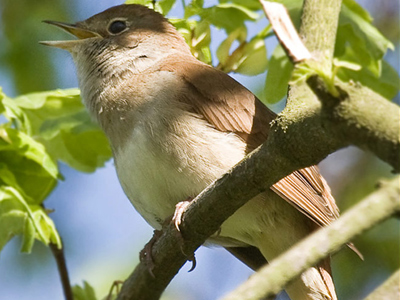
column 116, row 285
column 180, row 208
column 146, row 253
column 176, row 219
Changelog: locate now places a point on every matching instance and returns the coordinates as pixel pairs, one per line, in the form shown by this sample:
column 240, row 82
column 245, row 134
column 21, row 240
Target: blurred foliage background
column 103, row 234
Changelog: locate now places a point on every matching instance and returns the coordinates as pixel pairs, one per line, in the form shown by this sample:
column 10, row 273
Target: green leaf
column 197, row 35
column 249, row 4
column 18, row 217
column 365, row 39
column 85, row 151
column 200, row 41
column 12, row 223
column 223, row 51
column 7, row 178
column 346, row 64
column 28, row 236
column 58, row 119
column 40, row 107
column 202, row 35
column 84, row 293
column 33, row 171
column 193, row 8
column 14, row 113
column 360, row 43
column 52, row 127
column 358, row 10
column 141, row 2
column 227, row 15
column 278, row 76
column 162, row 6
column 27, row 147
column 254, row 59
column 301, row 72
column 387, row 84
column 45, row 225
column 2, row 96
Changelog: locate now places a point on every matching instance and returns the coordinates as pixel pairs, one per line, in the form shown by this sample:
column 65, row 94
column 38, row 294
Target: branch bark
column 374, row 125
column 271, row 279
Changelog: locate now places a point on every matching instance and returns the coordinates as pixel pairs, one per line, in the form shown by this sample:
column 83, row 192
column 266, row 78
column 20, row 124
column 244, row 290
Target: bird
column 176, row 124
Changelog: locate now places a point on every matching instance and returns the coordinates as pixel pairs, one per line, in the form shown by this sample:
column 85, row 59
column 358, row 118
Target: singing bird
column 176, row 124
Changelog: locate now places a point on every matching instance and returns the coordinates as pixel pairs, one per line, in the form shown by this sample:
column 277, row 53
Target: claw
column 115, row 285
column 146, row 253
column 179, row 210
column 194, row 263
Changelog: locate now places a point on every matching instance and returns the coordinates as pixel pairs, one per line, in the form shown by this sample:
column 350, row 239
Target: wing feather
column 228, row 106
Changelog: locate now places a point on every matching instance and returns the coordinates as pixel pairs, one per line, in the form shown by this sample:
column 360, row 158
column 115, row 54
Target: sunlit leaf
column 228, row 16
column 224, row 48
column 17, row 217
column 249, row 4
column 162, row 6
column 2, row 96
column 358, row 10
column 387, row 84
column 30, row 149
column 254, row 60
column 58, row 119
column 197, row 35
column 346, row 64
column 278, row 76
column 84, row 293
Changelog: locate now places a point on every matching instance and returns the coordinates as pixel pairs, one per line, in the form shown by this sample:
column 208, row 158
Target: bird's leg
column 116, row 285
column 146, row 253
column 179, row 210
column 177, row 219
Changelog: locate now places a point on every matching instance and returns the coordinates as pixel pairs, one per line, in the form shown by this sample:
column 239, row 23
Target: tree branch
column 271, row 279
column 62, row 270
column 390, row 289
column 362, row 118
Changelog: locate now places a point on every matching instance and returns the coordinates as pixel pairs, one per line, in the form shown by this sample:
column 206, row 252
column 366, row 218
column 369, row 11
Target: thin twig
column 62, row 270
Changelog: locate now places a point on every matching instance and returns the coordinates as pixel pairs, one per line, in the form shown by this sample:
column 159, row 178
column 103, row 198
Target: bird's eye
column 117, row 27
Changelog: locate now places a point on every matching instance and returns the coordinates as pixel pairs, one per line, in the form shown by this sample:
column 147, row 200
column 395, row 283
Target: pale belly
column 156, row 176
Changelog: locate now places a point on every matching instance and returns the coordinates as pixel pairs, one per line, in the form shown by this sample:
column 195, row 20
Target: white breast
column 161, row 166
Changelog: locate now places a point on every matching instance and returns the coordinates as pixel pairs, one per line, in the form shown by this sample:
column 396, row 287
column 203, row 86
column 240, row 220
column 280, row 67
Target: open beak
column 73, row 29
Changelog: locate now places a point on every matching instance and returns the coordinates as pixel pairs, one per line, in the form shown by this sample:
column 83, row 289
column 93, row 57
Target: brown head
column 121, row 39
column 125, row 26
column 114, row 45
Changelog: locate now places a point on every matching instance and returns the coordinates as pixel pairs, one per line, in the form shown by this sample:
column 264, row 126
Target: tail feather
column 324, row 269
column 314, row 284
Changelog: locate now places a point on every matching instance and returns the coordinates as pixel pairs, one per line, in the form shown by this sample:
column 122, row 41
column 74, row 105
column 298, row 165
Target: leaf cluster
column 40, row 129
column 359, row 49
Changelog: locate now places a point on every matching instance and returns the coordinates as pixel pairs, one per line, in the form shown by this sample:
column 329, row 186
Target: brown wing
column 308, row 191
column 222, row 101
column 229, row 106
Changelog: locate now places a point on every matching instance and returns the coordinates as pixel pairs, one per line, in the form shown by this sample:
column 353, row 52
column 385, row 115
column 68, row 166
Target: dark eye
column 117, row 27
